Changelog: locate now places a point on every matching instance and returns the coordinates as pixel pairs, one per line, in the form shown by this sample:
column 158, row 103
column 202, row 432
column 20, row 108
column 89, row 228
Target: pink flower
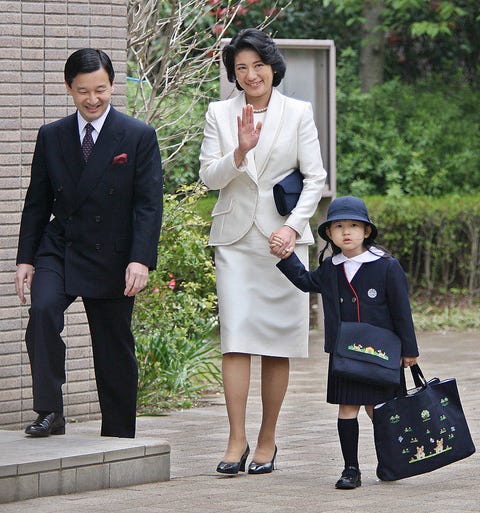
column 172, row 283
column 120, row 159
column 218, row 29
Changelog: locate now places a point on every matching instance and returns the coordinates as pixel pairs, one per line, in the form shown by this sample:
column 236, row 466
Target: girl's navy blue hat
column 347, row 207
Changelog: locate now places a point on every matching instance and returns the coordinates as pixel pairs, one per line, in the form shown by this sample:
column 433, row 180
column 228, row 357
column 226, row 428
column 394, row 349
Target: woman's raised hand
column 248, row 133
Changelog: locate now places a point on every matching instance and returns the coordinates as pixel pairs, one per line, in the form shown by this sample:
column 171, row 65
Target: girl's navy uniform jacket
column 382, row 291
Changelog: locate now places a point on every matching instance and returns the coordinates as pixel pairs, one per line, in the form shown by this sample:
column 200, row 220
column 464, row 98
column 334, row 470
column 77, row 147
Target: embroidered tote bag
column 422, row 430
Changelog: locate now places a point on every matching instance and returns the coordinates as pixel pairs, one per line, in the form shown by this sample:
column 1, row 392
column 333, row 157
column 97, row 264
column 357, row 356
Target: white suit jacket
column 288, row 140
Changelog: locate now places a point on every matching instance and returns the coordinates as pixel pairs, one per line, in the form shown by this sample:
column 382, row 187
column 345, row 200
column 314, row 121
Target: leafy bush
column 182, row 165
column 175, row 316
column 403, row 139
column 437, row 241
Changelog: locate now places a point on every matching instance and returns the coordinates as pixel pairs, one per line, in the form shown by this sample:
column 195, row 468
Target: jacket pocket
column 222, row 207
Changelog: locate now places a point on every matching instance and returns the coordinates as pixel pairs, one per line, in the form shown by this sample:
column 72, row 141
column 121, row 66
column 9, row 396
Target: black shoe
column 351, row 478
column 234, row 467
column 47, row 424
column 263, row 468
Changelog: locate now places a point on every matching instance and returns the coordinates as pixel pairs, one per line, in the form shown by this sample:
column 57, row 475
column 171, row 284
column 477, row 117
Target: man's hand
column 136, row 278
column 23, row 275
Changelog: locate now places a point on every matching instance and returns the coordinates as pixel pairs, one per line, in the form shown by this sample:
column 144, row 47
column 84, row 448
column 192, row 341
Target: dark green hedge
column 437, row 240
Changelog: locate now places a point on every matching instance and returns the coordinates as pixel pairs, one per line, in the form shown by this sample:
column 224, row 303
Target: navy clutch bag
column 287, row 191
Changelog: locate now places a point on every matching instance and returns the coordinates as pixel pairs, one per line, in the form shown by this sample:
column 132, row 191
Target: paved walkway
column 309, row 458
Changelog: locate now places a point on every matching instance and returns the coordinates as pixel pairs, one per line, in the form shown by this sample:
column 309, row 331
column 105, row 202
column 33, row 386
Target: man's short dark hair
column 87, row 60
column 260, row 42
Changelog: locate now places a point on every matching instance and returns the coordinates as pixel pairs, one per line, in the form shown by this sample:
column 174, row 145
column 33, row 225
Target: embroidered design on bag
column 438, row 449
column 368, row 350
column 430, row 445
column 425, row 415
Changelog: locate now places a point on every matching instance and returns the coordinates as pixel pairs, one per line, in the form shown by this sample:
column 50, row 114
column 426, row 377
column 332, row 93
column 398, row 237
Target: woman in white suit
column 250, row 143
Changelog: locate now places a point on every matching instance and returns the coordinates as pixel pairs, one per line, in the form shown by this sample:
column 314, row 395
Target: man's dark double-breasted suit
column 82, row 224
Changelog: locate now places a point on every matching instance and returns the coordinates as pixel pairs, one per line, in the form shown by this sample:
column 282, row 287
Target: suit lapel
column 259, row 156
column 69, row 139
column 100, row 158
column 270, row 129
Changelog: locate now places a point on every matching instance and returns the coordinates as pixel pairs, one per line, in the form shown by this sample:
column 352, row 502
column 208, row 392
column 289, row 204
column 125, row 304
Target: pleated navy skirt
column 342, row 390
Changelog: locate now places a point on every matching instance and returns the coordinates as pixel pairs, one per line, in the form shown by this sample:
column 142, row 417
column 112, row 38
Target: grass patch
column 448, row 317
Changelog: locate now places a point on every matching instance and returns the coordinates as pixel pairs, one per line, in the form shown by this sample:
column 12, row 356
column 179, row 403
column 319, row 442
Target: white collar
column 97, row 123
column 370, row 255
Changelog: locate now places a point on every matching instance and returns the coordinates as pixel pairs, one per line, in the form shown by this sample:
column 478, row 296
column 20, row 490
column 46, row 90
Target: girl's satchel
column 367, row 353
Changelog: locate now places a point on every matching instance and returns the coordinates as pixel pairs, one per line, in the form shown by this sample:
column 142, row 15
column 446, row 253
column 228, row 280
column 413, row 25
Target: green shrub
column 179, row 125
column 437, row 241
column 175, row 317
column 406, row 139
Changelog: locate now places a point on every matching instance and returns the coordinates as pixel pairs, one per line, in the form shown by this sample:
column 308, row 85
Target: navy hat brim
column 347, row 207
column 323, row 227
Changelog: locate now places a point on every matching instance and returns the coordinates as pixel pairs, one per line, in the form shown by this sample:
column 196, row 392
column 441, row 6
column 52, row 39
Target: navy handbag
column 421, row 430
column 287, row 191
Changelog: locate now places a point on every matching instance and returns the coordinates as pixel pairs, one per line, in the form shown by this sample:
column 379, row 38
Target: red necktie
column 87, row 143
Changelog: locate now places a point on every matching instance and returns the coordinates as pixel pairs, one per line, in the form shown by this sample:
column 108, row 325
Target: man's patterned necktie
column 87, row 143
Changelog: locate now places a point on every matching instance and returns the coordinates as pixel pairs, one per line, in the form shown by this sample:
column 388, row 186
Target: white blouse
column 352, row 265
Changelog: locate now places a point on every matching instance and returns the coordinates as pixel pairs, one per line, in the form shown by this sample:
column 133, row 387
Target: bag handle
column 417, row 375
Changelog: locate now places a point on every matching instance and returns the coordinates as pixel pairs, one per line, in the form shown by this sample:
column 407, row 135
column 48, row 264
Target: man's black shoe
column 47, row 424
column 351, row 478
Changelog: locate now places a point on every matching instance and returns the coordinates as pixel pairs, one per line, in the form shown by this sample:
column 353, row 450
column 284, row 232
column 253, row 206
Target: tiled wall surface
column 36, row 38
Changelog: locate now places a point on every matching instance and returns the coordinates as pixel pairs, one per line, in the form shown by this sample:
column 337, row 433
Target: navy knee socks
column 348, row 434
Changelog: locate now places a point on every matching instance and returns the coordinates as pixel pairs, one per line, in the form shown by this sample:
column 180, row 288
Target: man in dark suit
column 90, row 228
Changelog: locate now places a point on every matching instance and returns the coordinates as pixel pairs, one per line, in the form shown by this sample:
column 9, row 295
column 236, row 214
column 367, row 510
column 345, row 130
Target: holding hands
column 282, row 242
column 248, row 133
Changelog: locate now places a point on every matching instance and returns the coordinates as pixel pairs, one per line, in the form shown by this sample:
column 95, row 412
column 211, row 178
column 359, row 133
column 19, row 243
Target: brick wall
column 36, row 38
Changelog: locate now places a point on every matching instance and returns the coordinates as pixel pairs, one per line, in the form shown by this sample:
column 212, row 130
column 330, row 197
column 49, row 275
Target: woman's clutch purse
column 287, row 191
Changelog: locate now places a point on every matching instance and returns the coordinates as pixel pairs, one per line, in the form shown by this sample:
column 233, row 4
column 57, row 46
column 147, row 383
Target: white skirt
column 261, row 312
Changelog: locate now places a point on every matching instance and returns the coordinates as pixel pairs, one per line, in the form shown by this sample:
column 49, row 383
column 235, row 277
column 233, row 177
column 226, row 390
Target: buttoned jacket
column 97, row 217
column 381, row 297
column 288, row 140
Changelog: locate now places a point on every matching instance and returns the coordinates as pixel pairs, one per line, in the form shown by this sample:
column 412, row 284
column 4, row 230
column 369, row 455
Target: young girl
column 370, row 286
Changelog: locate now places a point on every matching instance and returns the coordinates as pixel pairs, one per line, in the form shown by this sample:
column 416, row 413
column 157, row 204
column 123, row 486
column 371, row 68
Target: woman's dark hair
column 87, row 60
column 260, row 42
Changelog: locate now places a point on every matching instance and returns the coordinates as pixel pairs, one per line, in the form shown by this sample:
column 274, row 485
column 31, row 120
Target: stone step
column 39, row 467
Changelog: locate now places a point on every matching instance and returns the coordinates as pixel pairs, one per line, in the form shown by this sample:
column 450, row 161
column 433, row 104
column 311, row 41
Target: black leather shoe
column 47, row 424
column 351, row 478
column 263, row 468
column 234, row 467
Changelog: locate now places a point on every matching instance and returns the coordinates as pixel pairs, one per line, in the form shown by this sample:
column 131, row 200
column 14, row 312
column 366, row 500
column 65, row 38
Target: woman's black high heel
column 234, row 467
column 263, row 468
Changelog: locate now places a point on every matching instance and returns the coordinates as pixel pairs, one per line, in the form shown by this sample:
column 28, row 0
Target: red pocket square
column 120, row 159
